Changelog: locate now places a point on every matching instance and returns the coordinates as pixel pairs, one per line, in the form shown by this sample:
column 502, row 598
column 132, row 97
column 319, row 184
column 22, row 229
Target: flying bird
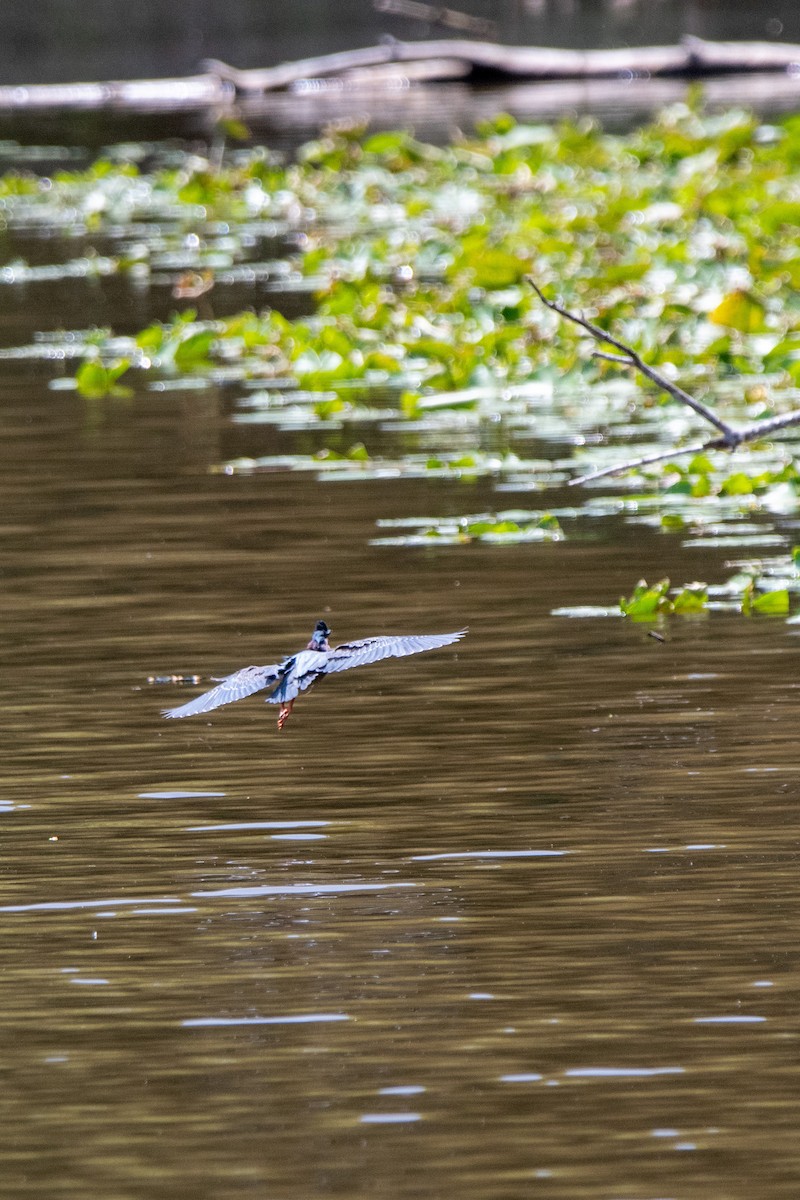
column 297, row 673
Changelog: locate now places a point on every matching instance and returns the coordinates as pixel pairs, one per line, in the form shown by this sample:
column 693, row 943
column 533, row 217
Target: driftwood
column 489, row 61
column 729, row 437
column 141, row 95
column 440, row 60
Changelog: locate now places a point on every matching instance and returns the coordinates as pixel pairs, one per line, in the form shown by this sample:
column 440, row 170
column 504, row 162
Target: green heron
column 298, row 672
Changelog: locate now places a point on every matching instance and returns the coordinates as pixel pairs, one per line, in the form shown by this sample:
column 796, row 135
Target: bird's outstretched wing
column 370, row 650
column 233, row 687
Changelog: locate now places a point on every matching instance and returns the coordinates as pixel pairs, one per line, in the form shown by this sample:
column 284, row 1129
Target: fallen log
column 142, row 95
column 490, row 61
column 431, row 61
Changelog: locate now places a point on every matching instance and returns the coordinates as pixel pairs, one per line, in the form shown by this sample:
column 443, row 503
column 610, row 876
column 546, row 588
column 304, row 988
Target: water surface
column 514, row 918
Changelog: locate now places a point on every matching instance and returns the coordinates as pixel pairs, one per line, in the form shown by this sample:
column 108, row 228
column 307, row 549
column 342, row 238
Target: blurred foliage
column 411, row 261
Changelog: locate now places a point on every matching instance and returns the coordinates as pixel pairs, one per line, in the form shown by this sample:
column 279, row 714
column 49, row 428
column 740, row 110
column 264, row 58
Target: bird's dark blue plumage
column 298, row 672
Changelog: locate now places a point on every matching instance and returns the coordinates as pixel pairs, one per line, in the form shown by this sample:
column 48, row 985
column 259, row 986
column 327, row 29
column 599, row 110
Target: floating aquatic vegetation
column 396, row 274
column 95, row 379
column 506, row 528
column 650, row 601
column 676, row 242
column 357, row 463
column 757, row 590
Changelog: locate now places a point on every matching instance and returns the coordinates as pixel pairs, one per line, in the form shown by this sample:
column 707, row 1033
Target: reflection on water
column 519, row 917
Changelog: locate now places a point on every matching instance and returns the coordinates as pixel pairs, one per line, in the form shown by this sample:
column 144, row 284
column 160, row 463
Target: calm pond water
column 516, row 918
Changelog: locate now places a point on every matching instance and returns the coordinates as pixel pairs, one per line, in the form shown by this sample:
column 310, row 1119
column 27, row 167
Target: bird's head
column 320, row 635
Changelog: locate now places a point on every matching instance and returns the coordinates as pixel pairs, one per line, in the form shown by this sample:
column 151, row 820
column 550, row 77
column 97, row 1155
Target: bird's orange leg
column 284, row 714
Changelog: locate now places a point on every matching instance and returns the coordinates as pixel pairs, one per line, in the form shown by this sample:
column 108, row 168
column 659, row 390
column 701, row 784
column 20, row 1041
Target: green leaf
column 700, row 464
column 646, row 602
column 94, row 379
column 117, row 369
column 494, row 269
column 775, row 604
column 738, row 484
column 193, row 351
column 151, row 338
column 479, row 528
column 691, row 599
column 701, row 487
column 204, row 188
column 389, row 141
column 548, row 521
column 673, row 522
column 325, row 409
column 739, row 310
column 409, row 404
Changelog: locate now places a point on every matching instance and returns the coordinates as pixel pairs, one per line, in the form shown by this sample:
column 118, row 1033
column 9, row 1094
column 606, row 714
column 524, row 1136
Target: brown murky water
column 514, row 919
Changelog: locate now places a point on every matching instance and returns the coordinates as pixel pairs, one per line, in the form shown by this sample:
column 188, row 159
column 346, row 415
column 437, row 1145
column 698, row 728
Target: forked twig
column 730, row 438
column 729, row 434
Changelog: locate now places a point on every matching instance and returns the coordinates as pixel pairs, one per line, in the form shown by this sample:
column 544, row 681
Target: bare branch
column 759, row 429
column 750, row 433
column 730, row 436
column 647, row 459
